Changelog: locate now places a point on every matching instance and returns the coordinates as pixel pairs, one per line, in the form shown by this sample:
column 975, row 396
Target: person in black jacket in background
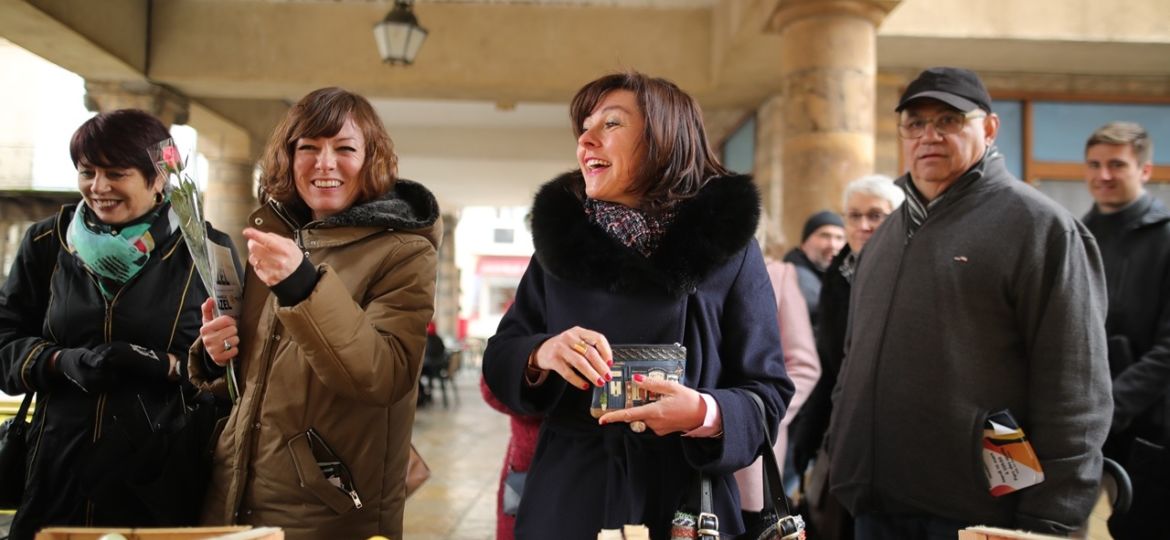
column 101, row 303
column 867, row 201
column 434, row 360
column 821, row 238
column 1133, row 230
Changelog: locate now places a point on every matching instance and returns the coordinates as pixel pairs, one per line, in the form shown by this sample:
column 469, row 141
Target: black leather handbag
column 13, row 452
column 776, row 522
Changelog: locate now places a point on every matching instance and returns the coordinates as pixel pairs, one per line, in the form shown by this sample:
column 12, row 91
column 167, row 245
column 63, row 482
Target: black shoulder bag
column 13, row 452
column 777, row 522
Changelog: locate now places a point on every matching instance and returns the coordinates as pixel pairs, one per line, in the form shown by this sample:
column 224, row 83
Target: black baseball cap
column 960, row 88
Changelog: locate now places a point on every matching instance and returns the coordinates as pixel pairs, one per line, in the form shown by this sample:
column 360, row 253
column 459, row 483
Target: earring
column 159, row 197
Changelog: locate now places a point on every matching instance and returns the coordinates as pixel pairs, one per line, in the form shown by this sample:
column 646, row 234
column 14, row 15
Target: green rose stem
column 188, row 206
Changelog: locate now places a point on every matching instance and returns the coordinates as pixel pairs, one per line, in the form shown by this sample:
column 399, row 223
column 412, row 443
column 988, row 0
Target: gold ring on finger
column 579, row 347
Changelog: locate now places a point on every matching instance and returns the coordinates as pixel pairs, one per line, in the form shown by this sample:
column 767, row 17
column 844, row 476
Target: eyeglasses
column 874, row 217
column 944, row 124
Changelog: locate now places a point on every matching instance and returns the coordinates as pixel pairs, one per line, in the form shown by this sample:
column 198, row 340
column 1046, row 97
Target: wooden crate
column 993, row 533
column 175, row 533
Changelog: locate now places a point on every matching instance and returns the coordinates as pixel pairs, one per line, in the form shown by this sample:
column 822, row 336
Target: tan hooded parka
column 330, row 383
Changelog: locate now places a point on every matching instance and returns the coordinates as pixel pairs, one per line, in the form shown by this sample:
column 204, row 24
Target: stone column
column 164, row 103
column 886, row 145
column 769, row 174
column 828, row 64
column 447, row 286
column 229, row 197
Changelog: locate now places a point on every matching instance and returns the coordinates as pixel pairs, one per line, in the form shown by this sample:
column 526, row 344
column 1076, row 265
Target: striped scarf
column 849, row 266
column 918, row 208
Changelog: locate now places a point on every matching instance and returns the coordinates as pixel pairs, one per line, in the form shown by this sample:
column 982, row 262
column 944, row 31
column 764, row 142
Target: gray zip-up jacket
column 997, row 302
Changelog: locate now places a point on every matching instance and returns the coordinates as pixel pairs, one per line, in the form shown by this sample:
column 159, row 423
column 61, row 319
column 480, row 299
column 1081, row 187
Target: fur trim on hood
column 708, row 229
column 408, row 206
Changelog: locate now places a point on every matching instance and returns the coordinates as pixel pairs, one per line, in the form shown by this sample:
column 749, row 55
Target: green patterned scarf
column 117, row 254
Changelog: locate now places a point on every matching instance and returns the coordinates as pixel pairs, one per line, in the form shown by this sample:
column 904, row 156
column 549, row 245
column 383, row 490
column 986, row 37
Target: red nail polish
column 638, row 377
column 608, row 377
column 585, row 386
column 600, row 381
column 610, row 363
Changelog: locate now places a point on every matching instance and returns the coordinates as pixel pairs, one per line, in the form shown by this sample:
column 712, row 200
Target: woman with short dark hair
column 339, row 288
column 102, row 301
column 651, row 241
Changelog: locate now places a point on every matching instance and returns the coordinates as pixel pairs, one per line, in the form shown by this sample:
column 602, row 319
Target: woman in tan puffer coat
column 327, row 352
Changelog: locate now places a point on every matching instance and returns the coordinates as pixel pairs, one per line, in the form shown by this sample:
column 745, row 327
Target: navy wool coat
column 704, row 287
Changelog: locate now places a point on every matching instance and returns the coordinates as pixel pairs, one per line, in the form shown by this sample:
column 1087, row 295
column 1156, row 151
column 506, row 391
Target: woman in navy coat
column 650, row 242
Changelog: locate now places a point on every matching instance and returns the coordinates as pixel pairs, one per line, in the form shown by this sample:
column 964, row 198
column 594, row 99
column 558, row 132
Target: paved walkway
column 464, row 446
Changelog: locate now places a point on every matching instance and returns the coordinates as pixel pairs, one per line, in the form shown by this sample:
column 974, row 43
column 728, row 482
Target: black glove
column 135, row 362
column 87, row 369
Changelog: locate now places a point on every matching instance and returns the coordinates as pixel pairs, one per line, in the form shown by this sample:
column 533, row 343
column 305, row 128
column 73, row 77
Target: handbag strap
column 22, row 412
column 708, row 523
column 707, row 526
column 773, row 480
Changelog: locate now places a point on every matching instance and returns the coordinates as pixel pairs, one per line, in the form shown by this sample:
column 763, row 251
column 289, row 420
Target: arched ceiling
column 487, row 92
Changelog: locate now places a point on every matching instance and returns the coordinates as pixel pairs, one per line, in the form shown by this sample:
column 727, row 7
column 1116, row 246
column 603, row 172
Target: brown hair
column 120, row 138
column 322, row 113
column 1129, row 133
column 677, row 159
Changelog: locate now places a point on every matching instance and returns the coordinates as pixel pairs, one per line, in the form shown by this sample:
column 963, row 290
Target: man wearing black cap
column 820, row 240
column 979, row 296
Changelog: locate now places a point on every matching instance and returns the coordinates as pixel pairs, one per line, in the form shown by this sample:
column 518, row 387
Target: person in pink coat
column 804, row 368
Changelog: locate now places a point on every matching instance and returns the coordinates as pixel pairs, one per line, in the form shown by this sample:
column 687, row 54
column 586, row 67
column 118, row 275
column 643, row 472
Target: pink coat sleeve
column 802, row 363
column 796, row 337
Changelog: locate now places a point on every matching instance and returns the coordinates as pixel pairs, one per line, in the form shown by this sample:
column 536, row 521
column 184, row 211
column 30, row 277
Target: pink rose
column 170, row 156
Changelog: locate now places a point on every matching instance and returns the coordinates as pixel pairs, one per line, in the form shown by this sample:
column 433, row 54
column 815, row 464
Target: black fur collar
column 709, row 229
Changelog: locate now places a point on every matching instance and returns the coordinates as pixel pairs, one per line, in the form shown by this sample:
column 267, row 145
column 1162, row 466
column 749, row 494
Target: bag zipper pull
column 357, row 501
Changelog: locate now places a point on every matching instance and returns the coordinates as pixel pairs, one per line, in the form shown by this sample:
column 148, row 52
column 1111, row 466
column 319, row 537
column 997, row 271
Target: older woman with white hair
column 866, row 201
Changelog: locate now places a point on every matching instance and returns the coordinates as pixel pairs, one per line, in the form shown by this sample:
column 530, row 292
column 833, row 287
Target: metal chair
column 442, row 369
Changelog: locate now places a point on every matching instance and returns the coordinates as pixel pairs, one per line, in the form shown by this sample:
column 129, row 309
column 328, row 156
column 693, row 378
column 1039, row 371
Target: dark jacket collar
column 987, row 173
column 407, row 207
column 708, row 229
column 798, row 257
column 1143, row 212
column 1156, row 212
